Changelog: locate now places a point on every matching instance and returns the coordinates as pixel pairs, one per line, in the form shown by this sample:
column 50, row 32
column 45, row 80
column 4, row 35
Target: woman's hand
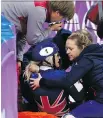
column 35, row 82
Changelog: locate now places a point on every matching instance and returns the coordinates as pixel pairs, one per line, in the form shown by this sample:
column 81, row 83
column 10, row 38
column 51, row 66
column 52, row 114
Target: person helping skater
column 29, row 18
column 87, row 64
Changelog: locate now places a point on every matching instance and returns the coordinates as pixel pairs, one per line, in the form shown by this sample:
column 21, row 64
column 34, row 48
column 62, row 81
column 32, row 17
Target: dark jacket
column 60, row 41
column 89, row 67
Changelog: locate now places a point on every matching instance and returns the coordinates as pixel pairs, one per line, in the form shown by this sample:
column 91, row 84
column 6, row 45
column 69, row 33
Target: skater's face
column 57, row 60
column 55, row 16
column 72, row 50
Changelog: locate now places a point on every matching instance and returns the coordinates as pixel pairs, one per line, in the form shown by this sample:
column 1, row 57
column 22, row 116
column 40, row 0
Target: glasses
column 63, row 21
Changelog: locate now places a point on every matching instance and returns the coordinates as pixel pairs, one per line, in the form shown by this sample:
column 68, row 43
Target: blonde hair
column 87, row 33
column 66, row 8
column 82, row 37
column 27, row 73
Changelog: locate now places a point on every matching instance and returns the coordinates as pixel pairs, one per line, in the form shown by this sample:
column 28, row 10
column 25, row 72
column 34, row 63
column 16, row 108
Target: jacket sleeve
column 27, row 58
column 35, row 31
column 76, row 73
column 21, row 43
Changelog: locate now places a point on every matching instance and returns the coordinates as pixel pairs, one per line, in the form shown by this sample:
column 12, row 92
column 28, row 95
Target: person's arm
column 76, row 73
column 48, row 74
column 21, row 43
column 35, row 31
column 27, row 58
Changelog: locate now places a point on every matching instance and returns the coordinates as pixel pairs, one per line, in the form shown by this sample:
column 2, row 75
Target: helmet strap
column 54, row 62
column 53, row 59
column 48, row 63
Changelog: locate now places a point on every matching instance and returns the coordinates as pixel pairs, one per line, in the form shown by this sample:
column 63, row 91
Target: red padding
column 93, row 14
column 35, row 115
